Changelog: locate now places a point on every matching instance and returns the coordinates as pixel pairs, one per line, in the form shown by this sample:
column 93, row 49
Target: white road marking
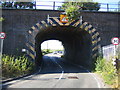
column 99, row 86
column 60, row 67
column 61, row 75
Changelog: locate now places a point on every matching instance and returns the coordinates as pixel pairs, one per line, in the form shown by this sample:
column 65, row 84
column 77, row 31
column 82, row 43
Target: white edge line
column 61, row 68
column 61, row 75
column 99, row 86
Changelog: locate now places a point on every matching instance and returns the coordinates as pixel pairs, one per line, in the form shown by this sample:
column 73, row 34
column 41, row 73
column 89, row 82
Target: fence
column 110, row 51
column 55, row 5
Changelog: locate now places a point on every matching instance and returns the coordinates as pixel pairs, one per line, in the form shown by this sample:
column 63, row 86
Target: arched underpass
column 80, row 40
column 81, row 44
column 77, row 43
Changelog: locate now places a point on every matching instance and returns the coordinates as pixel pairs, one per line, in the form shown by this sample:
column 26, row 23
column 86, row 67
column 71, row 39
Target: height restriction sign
column 63, row 18
column 2, row 35
column 115, row 40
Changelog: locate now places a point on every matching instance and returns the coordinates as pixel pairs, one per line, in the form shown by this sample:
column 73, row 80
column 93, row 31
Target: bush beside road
column 107, row 71
column 16, row 66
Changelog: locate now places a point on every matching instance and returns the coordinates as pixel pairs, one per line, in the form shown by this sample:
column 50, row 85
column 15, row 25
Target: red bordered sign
column 115, row 41
column 2, row 35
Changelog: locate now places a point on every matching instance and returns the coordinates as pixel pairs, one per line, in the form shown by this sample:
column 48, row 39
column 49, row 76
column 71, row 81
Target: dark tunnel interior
column 76, row 42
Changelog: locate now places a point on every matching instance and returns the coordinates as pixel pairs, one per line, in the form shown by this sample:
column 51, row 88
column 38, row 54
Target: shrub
column 1, row 19
column 72, row 12
column 13, row 66
column 107, row 70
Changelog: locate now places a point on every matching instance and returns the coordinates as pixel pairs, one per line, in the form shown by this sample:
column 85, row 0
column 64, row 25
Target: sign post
column 115, row 41
column 2, row 37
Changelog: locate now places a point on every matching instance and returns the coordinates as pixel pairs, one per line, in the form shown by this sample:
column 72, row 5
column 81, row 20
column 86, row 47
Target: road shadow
column 55, row 65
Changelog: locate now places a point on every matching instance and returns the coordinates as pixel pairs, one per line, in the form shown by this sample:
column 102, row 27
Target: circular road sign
column 2, row 35
column 115, row 40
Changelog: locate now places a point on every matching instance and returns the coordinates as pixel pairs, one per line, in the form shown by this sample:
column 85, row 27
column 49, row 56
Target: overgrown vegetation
column 15, row 66
column 108, row 71
column 18, row 5
column 72, row 9
column 90, row 6
column 1, row 19
column 72, row 12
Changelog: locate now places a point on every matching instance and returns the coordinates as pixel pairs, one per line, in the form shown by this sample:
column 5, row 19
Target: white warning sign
column 115, row 40
column 2, row 35
column 63, row 18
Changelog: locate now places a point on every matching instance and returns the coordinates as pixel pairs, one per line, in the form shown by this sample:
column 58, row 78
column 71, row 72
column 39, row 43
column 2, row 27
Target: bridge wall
column 18, row 22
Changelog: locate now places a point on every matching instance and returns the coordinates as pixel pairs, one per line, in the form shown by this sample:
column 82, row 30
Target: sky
column 58, row 3
column 52, row 44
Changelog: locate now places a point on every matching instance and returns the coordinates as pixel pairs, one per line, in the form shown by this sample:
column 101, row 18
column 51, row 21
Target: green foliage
column 18, row 4
column 16, row 66
column 46, row 51
column 100, row 63
column 24, row 5
column 72, row 12
column 72, row 9
column 82, row 5
column 107, row 70
column 1, row 19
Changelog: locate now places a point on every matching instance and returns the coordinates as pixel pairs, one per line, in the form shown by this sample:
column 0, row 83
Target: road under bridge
column 81, row 40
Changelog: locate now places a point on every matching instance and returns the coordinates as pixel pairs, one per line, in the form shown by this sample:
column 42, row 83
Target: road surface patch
column 73, row 77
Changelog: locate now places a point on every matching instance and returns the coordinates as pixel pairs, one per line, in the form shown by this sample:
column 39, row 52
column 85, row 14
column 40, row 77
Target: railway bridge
column 82, row 39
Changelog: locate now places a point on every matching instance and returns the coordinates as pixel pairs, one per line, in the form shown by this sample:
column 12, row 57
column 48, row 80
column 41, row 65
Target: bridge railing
column 55, row 5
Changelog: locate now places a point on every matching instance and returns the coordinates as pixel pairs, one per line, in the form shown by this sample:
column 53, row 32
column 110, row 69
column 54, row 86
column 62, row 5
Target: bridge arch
column 80, row 40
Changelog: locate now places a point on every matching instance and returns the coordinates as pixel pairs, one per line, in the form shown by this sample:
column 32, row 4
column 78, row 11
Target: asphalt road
column 55, row 73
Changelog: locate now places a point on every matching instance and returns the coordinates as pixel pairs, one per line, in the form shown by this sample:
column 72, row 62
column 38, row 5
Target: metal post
column 47, row 45
column 53, row 5
column 107, row 7
column 48, row 19
column 35, row 4
column 1, row 48
column 81, row 19
column 1, row 58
